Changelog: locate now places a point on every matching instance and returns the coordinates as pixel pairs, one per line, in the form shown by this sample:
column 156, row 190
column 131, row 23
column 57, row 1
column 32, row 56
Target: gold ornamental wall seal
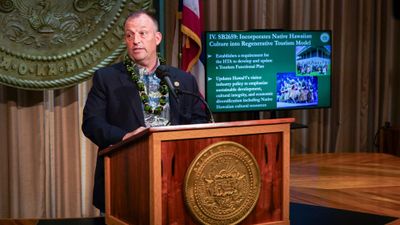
column 222, row 184
column 49, row 44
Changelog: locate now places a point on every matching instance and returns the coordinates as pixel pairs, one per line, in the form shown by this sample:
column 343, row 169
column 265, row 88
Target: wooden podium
column 145, row 174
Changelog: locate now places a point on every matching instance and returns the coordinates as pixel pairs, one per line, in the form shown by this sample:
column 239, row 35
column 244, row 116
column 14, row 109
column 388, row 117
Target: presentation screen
column 268, row 70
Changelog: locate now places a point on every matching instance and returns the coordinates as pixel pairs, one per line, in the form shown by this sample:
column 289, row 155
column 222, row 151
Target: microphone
column 211, row 118
column 162, row 72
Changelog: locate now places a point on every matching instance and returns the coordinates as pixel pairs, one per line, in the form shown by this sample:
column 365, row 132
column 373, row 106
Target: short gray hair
column 142, row 12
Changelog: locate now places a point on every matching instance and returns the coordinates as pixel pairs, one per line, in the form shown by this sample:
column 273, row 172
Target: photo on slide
column 313, row 60
column 294, row 91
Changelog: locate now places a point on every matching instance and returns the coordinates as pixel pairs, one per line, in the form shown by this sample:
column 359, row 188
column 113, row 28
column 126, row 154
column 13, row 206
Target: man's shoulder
column 176, row 70
column 179, row 74
column 111, row 73
column 116, row 67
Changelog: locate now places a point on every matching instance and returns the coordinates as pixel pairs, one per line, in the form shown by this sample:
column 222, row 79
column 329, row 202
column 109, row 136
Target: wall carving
column 47, row 44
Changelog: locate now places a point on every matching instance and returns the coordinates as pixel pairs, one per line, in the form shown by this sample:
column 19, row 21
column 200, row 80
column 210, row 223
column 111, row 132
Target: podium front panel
column 145, row 176
column 129, row 184
column 178, row 154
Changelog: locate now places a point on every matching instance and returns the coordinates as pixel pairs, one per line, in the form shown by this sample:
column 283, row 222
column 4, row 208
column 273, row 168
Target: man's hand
column 130, row 134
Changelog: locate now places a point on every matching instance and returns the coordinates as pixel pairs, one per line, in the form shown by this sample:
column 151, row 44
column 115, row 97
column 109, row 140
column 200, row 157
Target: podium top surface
column 150, row 130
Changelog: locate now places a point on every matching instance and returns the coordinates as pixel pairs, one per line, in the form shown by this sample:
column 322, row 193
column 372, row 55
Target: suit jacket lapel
column 175, row 108
column 132, row 97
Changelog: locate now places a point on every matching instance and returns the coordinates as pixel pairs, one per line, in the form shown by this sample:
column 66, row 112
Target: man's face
column 142, row 38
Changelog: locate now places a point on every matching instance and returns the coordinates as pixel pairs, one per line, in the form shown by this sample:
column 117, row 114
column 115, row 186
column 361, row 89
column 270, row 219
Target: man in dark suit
column 127, row 97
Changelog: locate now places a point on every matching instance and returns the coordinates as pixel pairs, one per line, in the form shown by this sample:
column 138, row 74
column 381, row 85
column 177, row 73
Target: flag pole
column 179, row 15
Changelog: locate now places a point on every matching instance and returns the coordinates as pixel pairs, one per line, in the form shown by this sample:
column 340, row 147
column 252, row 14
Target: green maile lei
column 163, row 89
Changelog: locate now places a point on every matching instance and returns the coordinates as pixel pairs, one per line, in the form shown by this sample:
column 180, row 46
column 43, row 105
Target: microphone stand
column 211, row 118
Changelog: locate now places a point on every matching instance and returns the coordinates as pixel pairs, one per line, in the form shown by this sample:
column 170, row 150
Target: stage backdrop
column 46, row 164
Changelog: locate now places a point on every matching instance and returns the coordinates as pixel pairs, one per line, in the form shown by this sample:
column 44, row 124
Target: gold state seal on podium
column 222, row 184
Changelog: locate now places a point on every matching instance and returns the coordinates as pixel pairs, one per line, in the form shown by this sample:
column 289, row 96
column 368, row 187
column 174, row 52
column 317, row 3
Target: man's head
column 142, row 38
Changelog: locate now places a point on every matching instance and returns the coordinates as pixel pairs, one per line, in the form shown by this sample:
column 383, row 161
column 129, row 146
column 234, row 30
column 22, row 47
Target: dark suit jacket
column 113, row 108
